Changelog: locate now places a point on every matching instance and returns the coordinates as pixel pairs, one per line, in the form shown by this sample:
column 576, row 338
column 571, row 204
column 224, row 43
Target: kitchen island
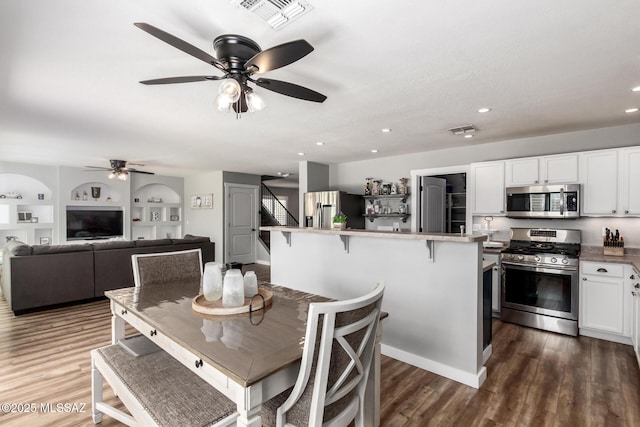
column 433, row 288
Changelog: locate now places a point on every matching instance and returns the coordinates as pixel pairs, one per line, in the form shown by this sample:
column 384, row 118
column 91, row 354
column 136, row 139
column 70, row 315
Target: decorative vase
column 233, row 289
column 95, row 193
column 339, row 225
column 212, row 281
column 250, row 284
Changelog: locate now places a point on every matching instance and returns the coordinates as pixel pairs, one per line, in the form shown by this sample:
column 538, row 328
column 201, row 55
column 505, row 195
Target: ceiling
column 69, row 72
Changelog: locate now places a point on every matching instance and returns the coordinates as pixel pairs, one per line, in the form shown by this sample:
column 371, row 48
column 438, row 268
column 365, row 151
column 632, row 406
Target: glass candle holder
column 212, row 281
column 250, row 284
column 233, row 289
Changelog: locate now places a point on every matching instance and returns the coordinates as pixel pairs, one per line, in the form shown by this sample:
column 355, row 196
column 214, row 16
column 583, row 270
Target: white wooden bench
column 157, row 390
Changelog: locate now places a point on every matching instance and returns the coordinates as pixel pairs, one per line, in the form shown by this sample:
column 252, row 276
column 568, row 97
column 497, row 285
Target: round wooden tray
column 201, row 305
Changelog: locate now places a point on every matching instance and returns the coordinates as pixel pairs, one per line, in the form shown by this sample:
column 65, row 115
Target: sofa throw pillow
column 195, row 239
column 152, row 242
column 60, row 249
column 16, row 247
column 114, row 244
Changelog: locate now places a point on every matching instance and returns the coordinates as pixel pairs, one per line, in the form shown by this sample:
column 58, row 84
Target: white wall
column 206, row 222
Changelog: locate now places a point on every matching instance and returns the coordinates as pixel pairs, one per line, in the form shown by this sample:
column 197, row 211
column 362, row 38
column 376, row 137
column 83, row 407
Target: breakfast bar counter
column 433, row 288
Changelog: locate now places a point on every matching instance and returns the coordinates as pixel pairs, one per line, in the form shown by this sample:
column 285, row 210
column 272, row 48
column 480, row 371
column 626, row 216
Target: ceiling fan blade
column 184, row 79
column 137, row 171
column 290, row 89
column 278, row 56
column 180, row 44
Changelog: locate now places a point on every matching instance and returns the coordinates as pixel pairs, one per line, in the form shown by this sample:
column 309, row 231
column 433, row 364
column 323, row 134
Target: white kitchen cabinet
column 487, row 188
column 629, row 200
column 496, row 274
column 605, row 301
column 545, row 170
column 599, row 178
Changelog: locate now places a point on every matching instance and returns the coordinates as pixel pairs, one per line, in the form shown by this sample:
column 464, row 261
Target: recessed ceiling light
column 468, row 136
column 386, row 130
column 319, row 143
column 636, row 89
column 374, row 151
column 631, row 110
column 300, row 154
column 484, row 110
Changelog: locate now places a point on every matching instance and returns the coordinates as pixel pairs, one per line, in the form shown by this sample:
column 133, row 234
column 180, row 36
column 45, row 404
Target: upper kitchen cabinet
column 560, row 169
column 629, row 201
column 599, row 178
column 487, row 188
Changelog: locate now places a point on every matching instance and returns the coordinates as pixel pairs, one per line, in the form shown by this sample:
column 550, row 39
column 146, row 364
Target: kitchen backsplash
column 591, row 227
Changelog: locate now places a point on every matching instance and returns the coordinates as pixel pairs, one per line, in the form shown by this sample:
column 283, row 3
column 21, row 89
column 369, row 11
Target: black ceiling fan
column 239, row 58
column 119, row 169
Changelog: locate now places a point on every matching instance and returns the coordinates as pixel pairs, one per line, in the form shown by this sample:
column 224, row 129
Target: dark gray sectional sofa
column 42, row 275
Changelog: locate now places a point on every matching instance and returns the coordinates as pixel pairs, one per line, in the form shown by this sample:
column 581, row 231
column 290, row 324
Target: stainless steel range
column 540, row 279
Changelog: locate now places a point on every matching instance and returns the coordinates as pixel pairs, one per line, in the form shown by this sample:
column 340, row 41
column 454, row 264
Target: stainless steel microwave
column 544, row 201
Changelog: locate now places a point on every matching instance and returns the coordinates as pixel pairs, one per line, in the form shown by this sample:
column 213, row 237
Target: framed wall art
column 200, row 201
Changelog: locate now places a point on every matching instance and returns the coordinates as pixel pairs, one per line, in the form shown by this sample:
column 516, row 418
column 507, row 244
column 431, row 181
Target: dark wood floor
column 535, row 378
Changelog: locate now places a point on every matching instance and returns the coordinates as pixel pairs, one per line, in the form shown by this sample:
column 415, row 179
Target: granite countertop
column 594, row 254
column 444, row 237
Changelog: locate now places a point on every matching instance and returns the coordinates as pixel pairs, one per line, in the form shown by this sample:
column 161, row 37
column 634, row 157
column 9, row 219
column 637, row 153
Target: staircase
column 273, row 213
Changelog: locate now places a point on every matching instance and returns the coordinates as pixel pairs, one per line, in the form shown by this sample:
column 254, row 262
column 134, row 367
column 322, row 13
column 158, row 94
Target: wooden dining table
column 249, row 357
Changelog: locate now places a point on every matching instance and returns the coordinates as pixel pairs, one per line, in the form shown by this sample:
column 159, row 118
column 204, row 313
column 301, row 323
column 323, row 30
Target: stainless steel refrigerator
column 321, row 206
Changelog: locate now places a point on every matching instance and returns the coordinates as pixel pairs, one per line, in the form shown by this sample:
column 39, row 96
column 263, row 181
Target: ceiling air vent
column 277, row 13
column 463, row 130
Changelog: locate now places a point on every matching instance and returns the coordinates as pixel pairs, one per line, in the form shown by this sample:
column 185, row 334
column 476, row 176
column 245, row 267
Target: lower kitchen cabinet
column 605, row 301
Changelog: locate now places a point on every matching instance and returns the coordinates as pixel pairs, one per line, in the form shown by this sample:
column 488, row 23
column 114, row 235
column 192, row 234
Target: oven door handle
column 539, row 267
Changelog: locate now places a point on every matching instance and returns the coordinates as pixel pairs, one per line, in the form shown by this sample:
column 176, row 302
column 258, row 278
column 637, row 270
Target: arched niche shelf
column 156, row 193
column 27, row 187
column 83, row 192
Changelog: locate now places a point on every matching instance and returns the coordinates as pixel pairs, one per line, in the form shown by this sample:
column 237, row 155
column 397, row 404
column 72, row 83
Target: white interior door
column 241, row 218
column 432, row 197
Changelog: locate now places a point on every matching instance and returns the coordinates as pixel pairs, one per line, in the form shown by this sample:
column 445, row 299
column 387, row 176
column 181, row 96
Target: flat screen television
column 91, row 223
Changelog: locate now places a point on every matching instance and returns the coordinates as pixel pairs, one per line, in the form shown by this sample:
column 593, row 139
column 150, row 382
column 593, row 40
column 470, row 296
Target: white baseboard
column 263, row 262
column 605, row 336
column 455, row 374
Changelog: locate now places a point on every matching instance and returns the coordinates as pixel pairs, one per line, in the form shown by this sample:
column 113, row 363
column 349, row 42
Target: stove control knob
column 537, row 258
column 520, row 257
column 554, row 260
column 565, row 261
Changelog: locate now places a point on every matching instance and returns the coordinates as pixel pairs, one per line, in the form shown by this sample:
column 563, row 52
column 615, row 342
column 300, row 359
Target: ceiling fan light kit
column 239, row 57
column 118, row 169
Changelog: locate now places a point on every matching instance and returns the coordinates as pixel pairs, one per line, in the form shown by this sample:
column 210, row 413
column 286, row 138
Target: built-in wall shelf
column 29, row 218
column 156, row 212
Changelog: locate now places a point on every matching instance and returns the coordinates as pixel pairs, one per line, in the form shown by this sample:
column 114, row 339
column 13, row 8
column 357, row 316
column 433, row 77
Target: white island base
column 433, row 289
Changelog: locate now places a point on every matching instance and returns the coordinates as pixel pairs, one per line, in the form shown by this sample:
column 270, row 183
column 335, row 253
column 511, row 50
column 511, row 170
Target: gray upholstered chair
column 337, row 356
column 166, row 266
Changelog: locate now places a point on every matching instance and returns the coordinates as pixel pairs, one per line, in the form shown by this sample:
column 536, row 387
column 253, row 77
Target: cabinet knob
column 153, row 332
column 535, row 182
column 584, row 278
column 632, row 277
column 637, row 286
column 613, row 211
column 546, row 181
column 626, row 211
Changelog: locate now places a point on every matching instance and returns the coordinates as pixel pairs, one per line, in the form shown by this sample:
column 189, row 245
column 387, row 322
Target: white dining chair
column 337, row 356
column 166, row 266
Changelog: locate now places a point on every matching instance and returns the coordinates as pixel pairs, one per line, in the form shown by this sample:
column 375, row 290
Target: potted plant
column 340, row 221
